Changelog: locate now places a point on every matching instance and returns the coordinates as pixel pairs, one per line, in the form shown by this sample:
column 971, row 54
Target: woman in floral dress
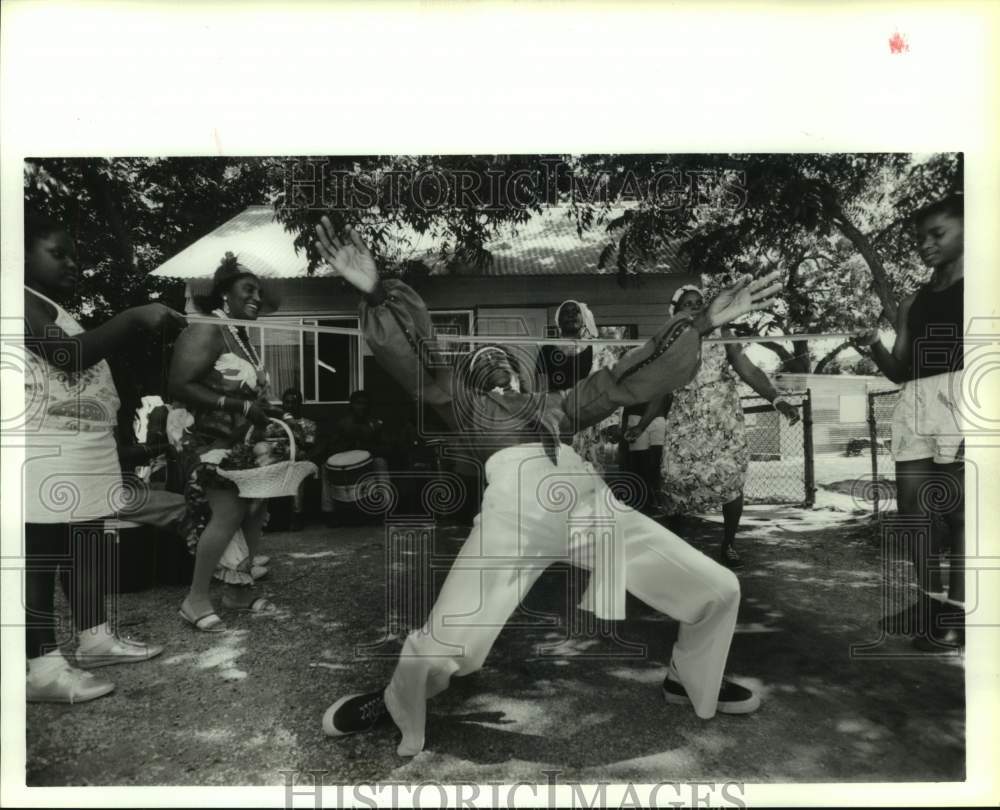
column 219, row 379
column 705, row 456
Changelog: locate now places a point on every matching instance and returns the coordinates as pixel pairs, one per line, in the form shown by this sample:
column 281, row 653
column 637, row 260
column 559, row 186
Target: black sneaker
column 355, row 713
column 729, row 557
column 733, row 698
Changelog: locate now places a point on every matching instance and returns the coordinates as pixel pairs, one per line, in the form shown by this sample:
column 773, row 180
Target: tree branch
column 827, row 358
column 864, row 247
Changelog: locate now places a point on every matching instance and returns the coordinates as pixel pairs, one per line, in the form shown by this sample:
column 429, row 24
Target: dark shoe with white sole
column 355, row 713
column 733, row 698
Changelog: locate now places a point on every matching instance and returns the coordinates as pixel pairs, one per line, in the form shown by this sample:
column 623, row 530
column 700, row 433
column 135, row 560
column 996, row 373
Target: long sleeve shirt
column 397, row 327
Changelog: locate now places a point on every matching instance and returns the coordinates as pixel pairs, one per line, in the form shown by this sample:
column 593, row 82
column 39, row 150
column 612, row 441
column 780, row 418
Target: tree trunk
column 864, row 247
column 105, row 200
column 799, row 363
column 829, row 357
column 794, row 362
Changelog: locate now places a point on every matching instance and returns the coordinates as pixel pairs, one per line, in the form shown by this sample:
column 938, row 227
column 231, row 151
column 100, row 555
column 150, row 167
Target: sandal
column 258, row 572
column 729, row 557
column 206, row 623
column 259, row 605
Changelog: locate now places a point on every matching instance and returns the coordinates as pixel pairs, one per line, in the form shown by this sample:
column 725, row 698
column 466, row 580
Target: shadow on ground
column 245, row 707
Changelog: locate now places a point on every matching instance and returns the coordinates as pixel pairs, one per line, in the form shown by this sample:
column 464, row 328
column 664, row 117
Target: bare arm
column 48, row 341
column 897, row 365
column 195, row 353
column 753, row 376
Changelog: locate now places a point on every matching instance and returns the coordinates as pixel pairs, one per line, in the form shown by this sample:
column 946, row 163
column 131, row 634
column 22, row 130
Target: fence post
column 807, row 446
column 873, row 439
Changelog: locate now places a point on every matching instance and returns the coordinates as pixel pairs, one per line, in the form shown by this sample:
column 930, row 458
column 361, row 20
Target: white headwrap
column 480, row 352
column 680, row 293
column 589, row 324
column 515, row 382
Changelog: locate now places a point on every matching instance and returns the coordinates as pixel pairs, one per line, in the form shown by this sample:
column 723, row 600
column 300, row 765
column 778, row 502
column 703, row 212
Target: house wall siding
column 645, row 305
column 645, row 302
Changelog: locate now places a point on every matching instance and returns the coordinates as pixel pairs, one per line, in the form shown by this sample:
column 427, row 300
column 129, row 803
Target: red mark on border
column 897, row 44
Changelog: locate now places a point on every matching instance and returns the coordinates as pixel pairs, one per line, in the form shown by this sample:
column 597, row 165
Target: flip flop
column 259, row 605
column 206, row 623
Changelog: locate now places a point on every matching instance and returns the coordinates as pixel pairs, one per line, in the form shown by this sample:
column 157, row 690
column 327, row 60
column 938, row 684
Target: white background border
column 157, row 78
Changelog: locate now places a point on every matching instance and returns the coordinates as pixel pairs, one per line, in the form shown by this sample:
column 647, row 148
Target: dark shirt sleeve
column 397, row 328
column 668, row 361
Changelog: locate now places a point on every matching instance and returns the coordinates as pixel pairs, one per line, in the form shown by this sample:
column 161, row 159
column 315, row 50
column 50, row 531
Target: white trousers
column 533, row 515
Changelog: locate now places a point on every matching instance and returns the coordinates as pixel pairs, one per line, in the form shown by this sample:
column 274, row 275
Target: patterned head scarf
column 589, row 324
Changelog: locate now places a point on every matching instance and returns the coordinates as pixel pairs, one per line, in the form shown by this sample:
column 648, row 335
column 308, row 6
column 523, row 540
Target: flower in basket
column 178, row 422
column 142, row 414
column 217, row 456
column 239, row 457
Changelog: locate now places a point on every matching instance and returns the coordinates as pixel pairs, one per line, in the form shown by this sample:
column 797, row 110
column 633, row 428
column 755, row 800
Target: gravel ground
column 245, row 707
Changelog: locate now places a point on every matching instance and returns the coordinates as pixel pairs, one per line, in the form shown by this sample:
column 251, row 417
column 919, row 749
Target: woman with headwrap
column 705, row 454
column 560, row 368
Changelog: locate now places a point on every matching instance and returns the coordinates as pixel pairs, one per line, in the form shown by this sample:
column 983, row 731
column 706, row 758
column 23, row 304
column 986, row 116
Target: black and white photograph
column 493, row 477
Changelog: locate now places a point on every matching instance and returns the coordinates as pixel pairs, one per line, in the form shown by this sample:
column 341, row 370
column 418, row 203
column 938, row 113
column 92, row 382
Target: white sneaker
column 117, row 651
column 68, row 685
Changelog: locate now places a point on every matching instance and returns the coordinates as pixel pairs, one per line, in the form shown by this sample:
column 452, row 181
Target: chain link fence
column 782, row 460
column 880, row 407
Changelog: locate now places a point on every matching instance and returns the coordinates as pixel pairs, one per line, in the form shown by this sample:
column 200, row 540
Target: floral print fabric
column 705, row 456
column 598, row 444
column 68, row 401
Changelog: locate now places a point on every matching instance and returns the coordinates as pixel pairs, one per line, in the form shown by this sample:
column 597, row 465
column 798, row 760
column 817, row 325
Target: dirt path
column 246, row 707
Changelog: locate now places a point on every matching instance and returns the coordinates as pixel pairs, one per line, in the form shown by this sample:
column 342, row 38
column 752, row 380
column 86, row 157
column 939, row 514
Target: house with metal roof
column 535, row 267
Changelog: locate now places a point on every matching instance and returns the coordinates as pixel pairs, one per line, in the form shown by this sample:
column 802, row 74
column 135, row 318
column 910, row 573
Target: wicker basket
column 274, row 480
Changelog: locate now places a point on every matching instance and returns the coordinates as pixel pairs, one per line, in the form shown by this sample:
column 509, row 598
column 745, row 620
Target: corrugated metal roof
column 260, row 242
column 546, row 245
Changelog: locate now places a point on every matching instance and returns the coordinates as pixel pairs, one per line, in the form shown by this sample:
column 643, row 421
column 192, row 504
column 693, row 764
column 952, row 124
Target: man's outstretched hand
column 747, row 295
column 350, row 259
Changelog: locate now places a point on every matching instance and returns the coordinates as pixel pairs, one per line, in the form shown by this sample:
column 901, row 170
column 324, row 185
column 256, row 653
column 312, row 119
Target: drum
column 344, row 470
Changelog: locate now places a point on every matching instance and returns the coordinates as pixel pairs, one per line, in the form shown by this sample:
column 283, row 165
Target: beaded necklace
column 247, row 347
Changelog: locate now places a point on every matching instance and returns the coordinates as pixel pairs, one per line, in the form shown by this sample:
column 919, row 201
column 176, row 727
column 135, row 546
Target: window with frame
column 628, row 331
column 450, row 322
column 324, row 367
